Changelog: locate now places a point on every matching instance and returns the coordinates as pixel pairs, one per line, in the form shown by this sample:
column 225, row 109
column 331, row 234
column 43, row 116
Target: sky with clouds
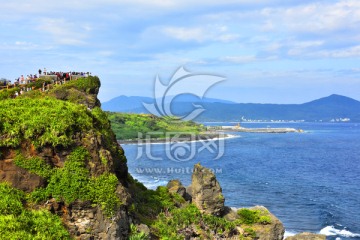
column 269, row 51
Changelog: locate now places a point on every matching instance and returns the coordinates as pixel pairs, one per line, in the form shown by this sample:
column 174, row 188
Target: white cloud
column 299, row 48
column 19, row 45
column 239, row 59
column 242, row 59
column 315, row 17
column 200, row 34
column 341, row 53
column 64, row 32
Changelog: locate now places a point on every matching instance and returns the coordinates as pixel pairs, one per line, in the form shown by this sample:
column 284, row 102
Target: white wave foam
column 332, row 231
column 289, row 234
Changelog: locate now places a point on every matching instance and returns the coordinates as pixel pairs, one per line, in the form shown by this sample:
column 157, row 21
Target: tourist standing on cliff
column 44, row 71
column 22, row 80
column 39, row 72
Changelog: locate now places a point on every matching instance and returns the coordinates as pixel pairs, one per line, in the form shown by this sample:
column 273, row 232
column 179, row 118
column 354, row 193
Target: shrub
column 248, row 216
column 34, row 165
column 32, row 225
column 10, row 200
column 249, row 232
column 102, row 191
column 38, row 83
column 168, row 226
column 136, row 235
column 71, row 182
column 16, row 222
column 8, row 93
column 89, row 84
column 41, row 121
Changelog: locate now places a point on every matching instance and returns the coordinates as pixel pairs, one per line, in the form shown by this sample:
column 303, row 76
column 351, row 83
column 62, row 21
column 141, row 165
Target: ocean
column 310, row 180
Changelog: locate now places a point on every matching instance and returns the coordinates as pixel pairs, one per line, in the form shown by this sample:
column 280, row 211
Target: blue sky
column 269, row 51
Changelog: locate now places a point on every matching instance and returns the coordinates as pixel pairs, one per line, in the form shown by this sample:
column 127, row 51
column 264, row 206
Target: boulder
column 272, row 231
column 206, row 191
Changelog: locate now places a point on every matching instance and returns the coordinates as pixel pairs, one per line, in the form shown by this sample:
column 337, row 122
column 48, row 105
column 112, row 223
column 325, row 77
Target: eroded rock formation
column 206, row 191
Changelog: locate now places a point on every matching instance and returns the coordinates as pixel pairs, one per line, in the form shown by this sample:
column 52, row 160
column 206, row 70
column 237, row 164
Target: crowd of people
column 55, row 78
column 60, row 76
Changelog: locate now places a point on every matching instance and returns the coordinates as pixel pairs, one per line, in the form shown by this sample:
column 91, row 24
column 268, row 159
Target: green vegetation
column 73, row 181
column 86, row 84
column 248, row 216
column 148, row 203
column 167, row 226
column 250, row 232
column 39, row 83
column 78, row 91
column 102, row 191
column 34, row 165
column 135, row 234
column 8, row 93
column 127, row 126
column 16, row 222
column 168, row 214
column 41, row 121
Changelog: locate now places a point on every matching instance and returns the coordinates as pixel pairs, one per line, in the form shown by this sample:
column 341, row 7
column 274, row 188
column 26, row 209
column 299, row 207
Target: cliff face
column 41, row 131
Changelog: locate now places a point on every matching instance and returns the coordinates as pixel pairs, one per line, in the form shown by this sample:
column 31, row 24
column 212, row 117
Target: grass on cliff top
column 16, row 222
column 128, row 125
column 47, row 121
column 41, row 121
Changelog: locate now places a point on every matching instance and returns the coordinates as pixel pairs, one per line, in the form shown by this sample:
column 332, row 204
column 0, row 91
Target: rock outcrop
column 206, row 191
column 207, row 196
column 17, row 176
column 307, row 236
column 84, row 221
column 175, row 186
column 272, row 231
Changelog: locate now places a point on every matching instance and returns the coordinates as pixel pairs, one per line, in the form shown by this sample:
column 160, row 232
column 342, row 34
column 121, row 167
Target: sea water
column 310, row 180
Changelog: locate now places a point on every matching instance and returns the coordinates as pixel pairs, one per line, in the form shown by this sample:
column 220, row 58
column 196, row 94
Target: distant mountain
column 334, row 107
column 135, row 103
column 125, row 103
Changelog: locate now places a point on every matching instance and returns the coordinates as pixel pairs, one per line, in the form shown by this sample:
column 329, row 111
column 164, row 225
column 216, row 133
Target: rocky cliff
column 63, row 175
column 58, row 147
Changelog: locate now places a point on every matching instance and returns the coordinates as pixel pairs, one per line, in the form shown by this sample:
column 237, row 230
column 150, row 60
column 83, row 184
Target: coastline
column 257, row 130
column 197, row 138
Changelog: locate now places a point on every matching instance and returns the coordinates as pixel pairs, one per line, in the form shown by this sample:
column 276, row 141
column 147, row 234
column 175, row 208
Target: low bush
column 248, row 216
column 16, row 222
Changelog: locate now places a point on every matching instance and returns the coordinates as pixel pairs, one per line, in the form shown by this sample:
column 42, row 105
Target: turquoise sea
column 310, row 180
